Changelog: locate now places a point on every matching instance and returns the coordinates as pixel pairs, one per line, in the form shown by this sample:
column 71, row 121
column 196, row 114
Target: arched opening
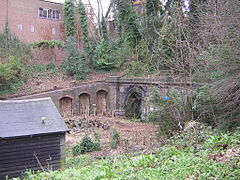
column 84, row 104
column 65, row 106
column 134, row 105
column 101, row 102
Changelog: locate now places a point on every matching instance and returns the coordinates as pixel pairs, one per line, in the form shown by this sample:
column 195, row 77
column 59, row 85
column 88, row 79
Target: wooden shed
column 32, row 136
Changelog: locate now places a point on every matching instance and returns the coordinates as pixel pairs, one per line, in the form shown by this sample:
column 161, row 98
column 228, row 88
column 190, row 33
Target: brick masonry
column 24, row 22
column 109, row 96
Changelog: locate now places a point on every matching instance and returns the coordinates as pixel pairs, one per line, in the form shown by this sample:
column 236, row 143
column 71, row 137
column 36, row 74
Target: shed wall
column 36, row 153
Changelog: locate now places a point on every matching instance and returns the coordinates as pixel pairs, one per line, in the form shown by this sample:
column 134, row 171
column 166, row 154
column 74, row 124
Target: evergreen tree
column 85, row 32
column 75, row 63
column 83, row 24
column 153, row 8
column 127, row 22
column 69, row 20
column 154, row 11
column 104, row 31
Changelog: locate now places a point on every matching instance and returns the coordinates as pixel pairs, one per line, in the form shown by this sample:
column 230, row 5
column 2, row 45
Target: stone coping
column 160, row 80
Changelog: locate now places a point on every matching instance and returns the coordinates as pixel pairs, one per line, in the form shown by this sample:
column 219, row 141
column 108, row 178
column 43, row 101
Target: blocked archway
column 133, row 104
column 102, row 101
column 66, row 106
column 84, row 104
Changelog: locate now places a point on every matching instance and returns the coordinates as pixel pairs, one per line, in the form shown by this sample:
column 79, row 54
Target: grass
column 41, row 70
column 172, row 161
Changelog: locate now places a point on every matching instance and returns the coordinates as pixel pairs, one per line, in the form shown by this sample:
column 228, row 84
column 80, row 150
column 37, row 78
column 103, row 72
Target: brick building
column 34, row 20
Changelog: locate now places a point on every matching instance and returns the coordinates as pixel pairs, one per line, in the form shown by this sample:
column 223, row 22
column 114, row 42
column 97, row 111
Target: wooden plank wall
column 36, row 153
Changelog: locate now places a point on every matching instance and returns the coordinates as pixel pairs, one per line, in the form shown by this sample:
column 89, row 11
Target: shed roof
column 29, row 117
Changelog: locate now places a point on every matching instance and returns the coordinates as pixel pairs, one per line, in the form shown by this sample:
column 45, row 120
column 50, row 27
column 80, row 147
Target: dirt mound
column 230, row 154
column 81, row 124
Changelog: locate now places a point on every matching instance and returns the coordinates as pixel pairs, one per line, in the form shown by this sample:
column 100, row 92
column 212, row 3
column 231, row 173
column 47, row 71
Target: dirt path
column 134, row 136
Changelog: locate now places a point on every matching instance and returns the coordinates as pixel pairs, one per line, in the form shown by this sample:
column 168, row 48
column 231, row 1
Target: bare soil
column 230, row 154
column 48, row 82
column 135, row 137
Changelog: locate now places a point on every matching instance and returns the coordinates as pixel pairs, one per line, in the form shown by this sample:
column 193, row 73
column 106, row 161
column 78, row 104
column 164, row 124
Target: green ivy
column 127, row 22
column 45, row 44
column 85, row 33
column 75, row 62
column 69, row 18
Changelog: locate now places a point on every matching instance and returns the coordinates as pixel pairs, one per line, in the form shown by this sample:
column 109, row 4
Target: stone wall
column 123, row 88
column 110, row 96
column 66, row 98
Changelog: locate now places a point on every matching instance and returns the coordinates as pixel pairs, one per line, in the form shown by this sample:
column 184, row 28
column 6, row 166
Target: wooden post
column 144, row 140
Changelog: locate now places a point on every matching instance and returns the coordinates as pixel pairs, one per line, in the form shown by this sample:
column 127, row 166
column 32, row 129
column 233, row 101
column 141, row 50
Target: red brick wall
column 22, row 16
column 25, row 13
column 3, row 14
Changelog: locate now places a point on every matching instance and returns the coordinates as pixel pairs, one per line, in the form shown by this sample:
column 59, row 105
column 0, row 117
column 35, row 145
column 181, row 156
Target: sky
column 105, row 4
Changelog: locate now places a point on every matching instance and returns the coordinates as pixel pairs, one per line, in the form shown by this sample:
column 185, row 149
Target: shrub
column 115, row 142
column 203, row 105
column 10, row 45
column 105, row 55
column 86, row 145
column 193, row 134
column 50, row 66
column 75, row 63
column 170, row 111
column 136, row 68
column 11, row 73
column 217, row 104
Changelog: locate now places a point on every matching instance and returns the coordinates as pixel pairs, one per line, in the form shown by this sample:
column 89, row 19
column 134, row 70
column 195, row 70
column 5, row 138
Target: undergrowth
column 14, row 73
column 86, row 145
column 41, row 70
column 187, row 155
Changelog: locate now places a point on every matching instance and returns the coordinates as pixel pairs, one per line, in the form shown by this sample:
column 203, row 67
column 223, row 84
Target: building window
column 40, row 12
column 49, row 13
column 45, row 12
column 20, row 27
column 32, row 28
column 57, row 14
column 53, row 31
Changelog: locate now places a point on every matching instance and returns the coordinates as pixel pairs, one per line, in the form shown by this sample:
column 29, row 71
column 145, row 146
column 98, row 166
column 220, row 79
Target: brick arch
column 66, row 105
column 101, row 89
column 102, row 96
column 84, row 104
column 133, row 103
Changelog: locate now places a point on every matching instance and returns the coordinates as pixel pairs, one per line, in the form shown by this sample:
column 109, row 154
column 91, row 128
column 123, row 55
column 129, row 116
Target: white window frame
column 32, row 28
column 56, row 13
column 19, row 27
column 54, row 31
